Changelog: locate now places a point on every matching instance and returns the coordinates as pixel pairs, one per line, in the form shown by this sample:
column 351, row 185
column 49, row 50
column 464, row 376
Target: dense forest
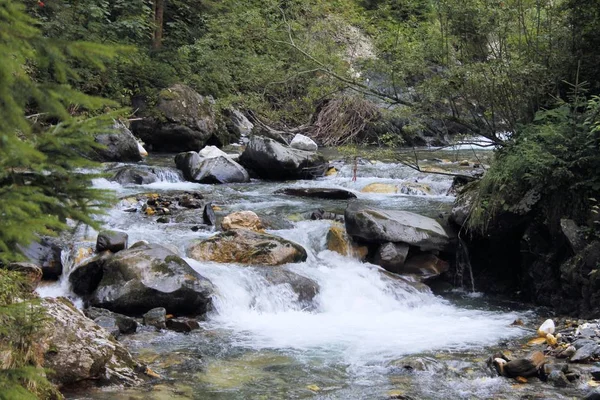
column 524, row 74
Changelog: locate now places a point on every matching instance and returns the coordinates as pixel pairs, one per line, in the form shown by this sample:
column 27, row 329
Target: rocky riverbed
column 312, row 288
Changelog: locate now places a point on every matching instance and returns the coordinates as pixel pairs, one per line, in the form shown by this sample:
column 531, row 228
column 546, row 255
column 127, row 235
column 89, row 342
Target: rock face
column 374, row 225
column 211, row 169
column 302, row 142
column 247, row 247
column 275, row 161
column 242, row 220
column 119, row 145
column 77, row 349
column 112, row 241
column 182, row 121
column 319, row 193
column 147, row 276
column 46, row 255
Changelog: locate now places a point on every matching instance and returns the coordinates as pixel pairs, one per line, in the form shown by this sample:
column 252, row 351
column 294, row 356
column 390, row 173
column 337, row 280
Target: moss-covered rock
column 147, row 276
column 182, row 120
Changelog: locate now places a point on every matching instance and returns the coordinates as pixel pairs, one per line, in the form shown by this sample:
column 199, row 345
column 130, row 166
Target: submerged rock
column 242, row 220
column 272, row 160
column 147, row 276
column 182, row 324
column 381, row 188
column 247, row 247
column 134, row 175
column 77, row 349
column 304, row 287
column 375, row 225
column 319, row 193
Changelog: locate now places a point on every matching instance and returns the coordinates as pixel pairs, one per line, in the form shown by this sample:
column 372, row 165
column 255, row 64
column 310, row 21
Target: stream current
column 365, row 335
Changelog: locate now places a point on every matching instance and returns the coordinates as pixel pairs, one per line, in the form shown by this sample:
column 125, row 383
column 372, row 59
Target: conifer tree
column 46, row 127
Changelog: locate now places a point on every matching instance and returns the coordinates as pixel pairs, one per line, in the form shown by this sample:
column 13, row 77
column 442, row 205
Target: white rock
column 212, row 152
column 302, row 142
column 546, row 328
column 142, row 150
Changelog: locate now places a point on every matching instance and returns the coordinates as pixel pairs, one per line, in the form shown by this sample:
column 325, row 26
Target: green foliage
column 554, row 160
column 40, row 154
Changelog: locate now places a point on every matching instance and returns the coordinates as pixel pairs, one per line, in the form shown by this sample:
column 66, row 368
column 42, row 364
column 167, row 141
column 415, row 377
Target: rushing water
column 358, row 338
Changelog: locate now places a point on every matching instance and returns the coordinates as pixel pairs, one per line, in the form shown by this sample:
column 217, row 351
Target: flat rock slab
column 375, row 225
column 318, row 193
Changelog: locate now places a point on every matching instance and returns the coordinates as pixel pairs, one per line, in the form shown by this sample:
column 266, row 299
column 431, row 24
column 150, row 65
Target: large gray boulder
column 275, row 161
column 148, row 276
column 247, row 247
column 375, row 225
column 219, row 169
column 77, row 349
column 392, row 256
column 117, row 146
column 182, row 120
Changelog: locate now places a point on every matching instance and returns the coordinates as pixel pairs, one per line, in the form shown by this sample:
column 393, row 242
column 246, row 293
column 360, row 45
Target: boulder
column 220, row 170
column 148, row 276
column 302, row 142
column 242, row 220
column 375, row 225
column 117, row 146
column 47, row 255
column 593, row 394
column 211, row 169
column 305, row 288
column 247, row 247
column 425, row 265
column 31, row 272
column 85, row 278
column 275, row 161
column 157, row 317
column 391, row 256
column 125, row 324
column 110, row 324
column 338, row 240
column 134, row 176
column 77, row 349
column 237, row 124
column 112, row 241
column 319, row 193
column 182, row 120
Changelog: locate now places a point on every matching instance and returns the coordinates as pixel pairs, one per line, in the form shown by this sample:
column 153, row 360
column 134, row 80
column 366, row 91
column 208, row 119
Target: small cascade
column 168, row 174
column 463, row 265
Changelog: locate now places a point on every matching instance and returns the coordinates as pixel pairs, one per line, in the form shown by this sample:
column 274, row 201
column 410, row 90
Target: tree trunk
column 159, row 10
